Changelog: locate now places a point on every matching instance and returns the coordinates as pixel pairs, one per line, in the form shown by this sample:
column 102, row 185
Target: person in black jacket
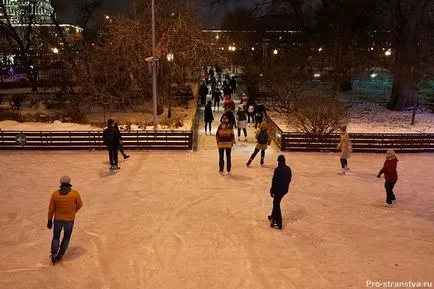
column 208, row 116
column 279, row 188
column 203, row 91
column 259, row 112
column 111, row 138
column 216, row 96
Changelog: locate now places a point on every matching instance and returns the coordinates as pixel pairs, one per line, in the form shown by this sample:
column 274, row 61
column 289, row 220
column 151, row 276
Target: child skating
column 391, row 176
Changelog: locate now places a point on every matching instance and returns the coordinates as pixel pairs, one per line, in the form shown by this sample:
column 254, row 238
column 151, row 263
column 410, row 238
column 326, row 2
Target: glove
column 50, row 224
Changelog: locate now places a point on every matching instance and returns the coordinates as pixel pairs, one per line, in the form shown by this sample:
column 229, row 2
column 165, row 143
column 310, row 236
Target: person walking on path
column 227, row 91
column 64, row 204
column 111, row 139
column 217, row 96
column 203, row 92
column 263, row 140
column 250, row 110
column 208, row 119
column 346, row 148
column 229, row 103
column 259, row 112
column 241, row 118
column 391, row 176
column 279, row 188
column 225, row 140
column 121, row 146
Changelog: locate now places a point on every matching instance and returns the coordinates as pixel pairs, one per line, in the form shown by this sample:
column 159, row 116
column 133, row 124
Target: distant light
column 261, row 75
column 372, row 49
column 107, row 17
column 373, row 75
column 388, row 52
column 1, row 14
column 170, row 56
column 275, row 51
column 320, row 49
column 253, row 48
column 217, row 36
column 316, row 75
column 55, row 50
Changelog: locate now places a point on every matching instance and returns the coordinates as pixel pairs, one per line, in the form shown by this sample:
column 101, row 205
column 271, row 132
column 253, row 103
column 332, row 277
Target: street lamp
column 55, row 50
column 388, row 52
column 170, row 58
column 275, row 51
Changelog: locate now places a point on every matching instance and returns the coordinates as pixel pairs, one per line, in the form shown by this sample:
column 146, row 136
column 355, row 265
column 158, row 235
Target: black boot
column 262, row 161
column 249, row 162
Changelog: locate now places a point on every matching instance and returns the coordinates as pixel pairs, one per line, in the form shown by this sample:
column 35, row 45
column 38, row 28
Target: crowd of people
column 65, row 202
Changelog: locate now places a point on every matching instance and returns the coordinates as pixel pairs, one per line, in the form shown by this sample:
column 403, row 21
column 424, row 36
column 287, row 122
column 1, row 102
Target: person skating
column 203, row 92
column 241, row 118
column 111, row 139
column 250, row 110
column 227, row 91
column 216, row 97
column 259, row 112
column 208, row 118
column 346, row 148
column 225, row 140
column 121, row 146
column 263, row 140
column 390, row 175
column 229, row 103
column 231, row 118
column 279, row 188
column 64, row 204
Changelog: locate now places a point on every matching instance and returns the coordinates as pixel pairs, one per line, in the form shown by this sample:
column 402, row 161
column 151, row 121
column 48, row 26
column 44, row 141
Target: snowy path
column 168, row 220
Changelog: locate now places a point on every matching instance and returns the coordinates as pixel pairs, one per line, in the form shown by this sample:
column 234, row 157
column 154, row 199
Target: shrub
column 319, row 115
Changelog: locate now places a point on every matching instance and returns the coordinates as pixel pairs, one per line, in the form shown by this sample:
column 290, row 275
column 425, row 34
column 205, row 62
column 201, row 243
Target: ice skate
column 221, row 173
column 126, row 156
column 270, row 218
column 387, row 205
column 347, row 168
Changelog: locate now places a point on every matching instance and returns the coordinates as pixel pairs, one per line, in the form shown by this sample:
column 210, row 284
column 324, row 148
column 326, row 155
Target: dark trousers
column 228, row 159
column 250, row 115
column 244, row 130
column 390, row 196
column 67, row 227
column 202, row 99
column 276, row 214
column 255, row 152
column 208, row 124
column 216, row 104
column 121, row 149
column 113, row 155
column 344, row 163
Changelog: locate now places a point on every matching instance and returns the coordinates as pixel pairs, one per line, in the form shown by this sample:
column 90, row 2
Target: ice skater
column 203, row 92
column 279, row 188
column 346, row 148
column 208, row 118
column 216, row 97
column 242, row 119
column 121, row 146
column 263, row 140
column 64, row 204
column 225, row 140
column 111, row 139
column 391, row 176
column 259, row 112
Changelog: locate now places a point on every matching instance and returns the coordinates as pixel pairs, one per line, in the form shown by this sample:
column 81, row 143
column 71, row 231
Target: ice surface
column 169, row 220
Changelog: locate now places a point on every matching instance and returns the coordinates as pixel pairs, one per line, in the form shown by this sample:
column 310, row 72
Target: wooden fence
column 92, row 140
column 362, row 142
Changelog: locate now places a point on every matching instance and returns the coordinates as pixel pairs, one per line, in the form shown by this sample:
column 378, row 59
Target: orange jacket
column 64, row 203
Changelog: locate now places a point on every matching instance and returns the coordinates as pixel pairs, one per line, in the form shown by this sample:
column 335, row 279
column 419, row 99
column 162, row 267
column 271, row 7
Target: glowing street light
column 317, row 75
column 275, row 51
column 320, row 49
column 170, row 56
column 253, row 48
column 107, row 17
column 388, row 52
column 217, row 37
column 55, row 50
column 373, row 75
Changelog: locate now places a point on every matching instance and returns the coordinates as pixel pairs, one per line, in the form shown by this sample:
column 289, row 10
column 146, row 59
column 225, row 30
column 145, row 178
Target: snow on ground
column 365, row 117
column 169, row 220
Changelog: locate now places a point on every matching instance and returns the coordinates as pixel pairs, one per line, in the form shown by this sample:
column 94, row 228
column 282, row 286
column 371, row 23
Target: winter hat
column 390, row 154
column 110, row 122
column 281, row 159
column 65, row 180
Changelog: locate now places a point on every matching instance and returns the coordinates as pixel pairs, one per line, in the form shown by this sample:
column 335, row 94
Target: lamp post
column 154, row 71
column 170, row 58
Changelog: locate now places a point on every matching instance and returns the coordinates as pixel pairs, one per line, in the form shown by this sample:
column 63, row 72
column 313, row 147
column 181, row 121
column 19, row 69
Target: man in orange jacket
column 64, row 203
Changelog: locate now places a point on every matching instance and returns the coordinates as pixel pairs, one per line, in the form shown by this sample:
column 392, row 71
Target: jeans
column 244, row 130
column 216, row 104
column 113, row 155
column 255, row 152
column 344, row 163
column 67, row 227
column 390, row 196
column 208, row 124
column 228, row 159
column 276, row 214
column 250, row 116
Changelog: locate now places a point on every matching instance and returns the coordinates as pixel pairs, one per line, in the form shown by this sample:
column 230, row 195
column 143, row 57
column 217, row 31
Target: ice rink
column 169, row 220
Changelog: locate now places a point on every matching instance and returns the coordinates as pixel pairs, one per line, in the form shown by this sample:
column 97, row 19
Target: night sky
column 210, row 14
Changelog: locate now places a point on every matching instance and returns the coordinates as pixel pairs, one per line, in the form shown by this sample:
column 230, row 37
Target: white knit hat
column 390, row 154
column 65, row 180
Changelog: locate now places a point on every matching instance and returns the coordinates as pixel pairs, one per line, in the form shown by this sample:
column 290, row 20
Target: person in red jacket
column 391, row 176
